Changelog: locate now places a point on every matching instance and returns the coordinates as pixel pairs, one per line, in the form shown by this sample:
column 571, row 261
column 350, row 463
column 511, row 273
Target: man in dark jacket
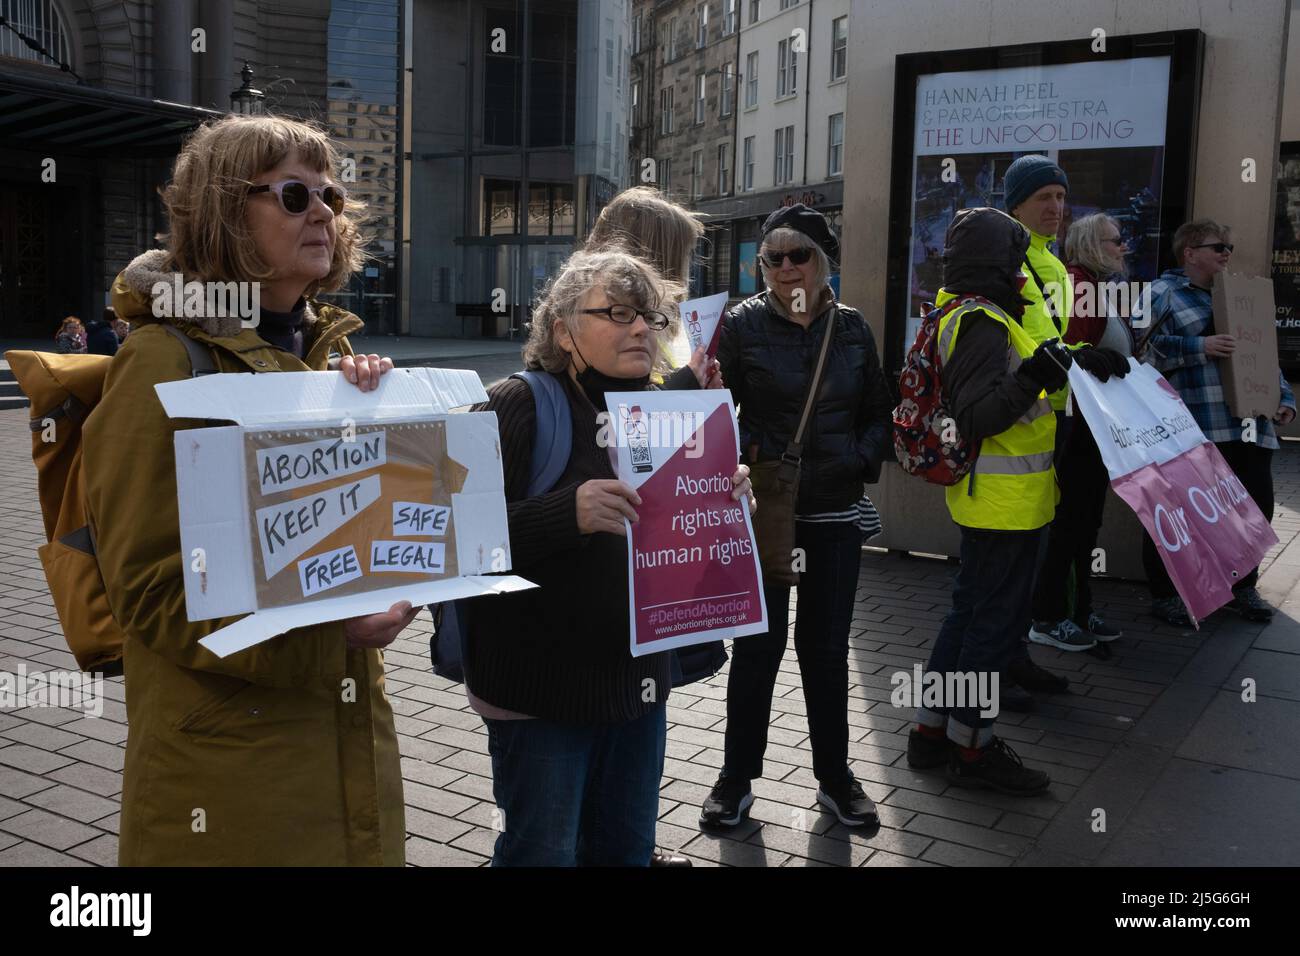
column 100, row 337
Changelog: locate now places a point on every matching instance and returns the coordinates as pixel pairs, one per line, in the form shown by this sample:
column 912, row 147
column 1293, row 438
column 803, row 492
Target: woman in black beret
column 770, row 346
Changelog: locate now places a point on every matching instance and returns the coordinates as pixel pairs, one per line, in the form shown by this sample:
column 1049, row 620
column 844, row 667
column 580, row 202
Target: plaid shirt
column 1177, row 350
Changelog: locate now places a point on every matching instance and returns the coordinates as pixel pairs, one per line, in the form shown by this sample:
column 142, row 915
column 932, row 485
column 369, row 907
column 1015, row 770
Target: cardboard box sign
column 1243, row 308
column 324, row 503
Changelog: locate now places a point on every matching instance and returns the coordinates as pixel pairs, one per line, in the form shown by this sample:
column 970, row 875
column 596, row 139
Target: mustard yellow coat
column 264, row 758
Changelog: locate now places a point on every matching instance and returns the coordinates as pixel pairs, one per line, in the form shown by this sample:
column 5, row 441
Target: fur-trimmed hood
column 133, row 297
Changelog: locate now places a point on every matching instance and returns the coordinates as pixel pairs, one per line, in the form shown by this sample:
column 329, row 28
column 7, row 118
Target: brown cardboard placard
column 1244, row 309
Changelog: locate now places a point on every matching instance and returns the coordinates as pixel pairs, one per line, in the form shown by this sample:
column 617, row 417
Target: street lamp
column 247, row 101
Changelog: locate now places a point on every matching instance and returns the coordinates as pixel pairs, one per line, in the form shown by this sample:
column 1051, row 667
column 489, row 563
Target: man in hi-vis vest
column 995, row 380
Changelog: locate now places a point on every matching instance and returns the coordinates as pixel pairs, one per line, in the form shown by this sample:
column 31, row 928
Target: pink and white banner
column 1208, row 530
column 693, row 571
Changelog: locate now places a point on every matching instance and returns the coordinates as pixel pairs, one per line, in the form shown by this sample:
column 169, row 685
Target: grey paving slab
column 1237, row 734
column 1198, row 814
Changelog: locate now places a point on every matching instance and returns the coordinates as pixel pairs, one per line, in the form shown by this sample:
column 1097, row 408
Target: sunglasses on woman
column 626, row 315
column 1219, row 247
column 797, row 257
column 295, row 196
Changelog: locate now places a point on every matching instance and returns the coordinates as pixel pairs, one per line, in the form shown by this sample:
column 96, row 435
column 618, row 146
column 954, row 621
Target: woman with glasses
column 1180, row 339
column 285, row 753
column 1095, row 257
column 769, row 346
column 575, row 723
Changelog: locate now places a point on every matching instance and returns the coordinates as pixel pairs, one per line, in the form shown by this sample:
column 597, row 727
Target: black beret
column 810, row 222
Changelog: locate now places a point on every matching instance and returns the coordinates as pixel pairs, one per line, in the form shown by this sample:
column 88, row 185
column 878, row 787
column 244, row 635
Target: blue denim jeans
column 577, row 794
column 990, row 613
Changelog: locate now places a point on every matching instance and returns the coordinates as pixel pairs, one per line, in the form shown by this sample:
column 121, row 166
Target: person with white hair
column 770, row 345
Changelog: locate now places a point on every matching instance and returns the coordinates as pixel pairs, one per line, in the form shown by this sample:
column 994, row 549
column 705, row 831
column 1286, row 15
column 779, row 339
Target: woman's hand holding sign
column 379, row 630
column 364, row 371
column 603, row 503
column 741, row 487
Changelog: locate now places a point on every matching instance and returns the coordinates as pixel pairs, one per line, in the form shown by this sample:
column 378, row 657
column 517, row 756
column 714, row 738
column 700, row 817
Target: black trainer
column 728, row 804
column 1248, row 603
column 1032, row 677
column 1011, row 696
column 925, row 752
column 998, row 768
column 849, row 803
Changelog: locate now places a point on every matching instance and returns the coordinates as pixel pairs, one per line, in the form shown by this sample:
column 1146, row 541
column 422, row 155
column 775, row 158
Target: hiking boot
column 849, row 803
column 998, row 768
column 728, row 804
column 1250, row 605
column 1011, row 696
column 1171, row 610
column 1102, row 631
column 925, row 752
column 1030, row 676
column 1064, row 635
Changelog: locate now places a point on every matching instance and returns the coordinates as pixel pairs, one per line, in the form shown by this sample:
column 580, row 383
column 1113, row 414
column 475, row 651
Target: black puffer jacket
column 766, row 362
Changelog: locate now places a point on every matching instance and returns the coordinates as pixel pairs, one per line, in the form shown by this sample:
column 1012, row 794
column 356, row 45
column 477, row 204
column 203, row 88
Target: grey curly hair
column 624, row 278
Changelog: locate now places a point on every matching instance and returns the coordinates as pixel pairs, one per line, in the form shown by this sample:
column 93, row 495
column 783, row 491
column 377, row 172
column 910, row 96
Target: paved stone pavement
column 1157, row 736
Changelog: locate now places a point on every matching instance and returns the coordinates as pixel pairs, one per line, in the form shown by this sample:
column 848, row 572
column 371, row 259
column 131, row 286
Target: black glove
column 1048, row 367
column 1101, row 364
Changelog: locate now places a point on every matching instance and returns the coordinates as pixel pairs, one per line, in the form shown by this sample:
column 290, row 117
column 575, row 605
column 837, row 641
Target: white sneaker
column 1063, row 635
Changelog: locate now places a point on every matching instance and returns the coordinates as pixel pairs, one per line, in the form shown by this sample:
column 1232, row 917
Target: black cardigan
column 559, row 651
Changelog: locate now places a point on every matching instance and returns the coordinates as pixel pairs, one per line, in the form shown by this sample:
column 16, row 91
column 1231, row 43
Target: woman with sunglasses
column 1180, row 339
column 285, row 753
column 769, row 347
column 576, row 725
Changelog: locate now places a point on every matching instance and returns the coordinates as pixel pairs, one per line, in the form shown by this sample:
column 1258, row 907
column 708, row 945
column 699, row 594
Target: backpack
column 552, row 443
column 922, row 418
column 66, row 389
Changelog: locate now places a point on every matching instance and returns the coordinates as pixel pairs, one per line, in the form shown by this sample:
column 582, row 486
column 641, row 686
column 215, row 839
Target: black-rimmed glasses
column 626, row 315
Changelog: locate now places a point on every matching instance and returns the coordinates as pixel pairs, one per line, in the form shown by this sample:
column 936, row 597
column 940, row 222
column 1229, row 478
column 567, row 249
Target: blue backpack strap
column 553, row 439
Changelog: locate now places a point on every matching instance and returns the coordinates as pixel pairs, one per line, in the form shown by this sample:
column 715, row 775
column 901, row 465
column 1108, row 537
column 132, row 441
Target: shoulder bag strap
column 794, row 450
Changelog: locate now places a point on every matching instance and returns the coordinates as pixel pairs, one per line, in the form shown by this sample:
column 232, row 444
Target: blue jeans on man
column 577, row 794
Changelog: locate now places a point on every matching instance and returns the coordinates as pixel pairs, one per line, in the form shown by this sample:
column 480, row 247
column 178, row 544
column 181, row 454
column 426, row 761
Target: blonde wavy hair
column 1083, row 243
column 624, row 276
column 208, row 193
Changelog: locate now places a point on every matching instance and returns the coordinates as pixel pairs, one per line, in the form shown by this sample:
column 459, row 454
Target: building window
column 751, row 79
column 728, row 89
column 724, row 174
column 702, row 26
column 666, row 110
column 784, row 157
column 753, row 11
column 787, row 68
column 697, row 174
column 748, row 169
column 636, row 103
column 671, row 45
column 665, row 175
column 730, row 14
column 699, row 97
column 550, row 209
column 787, row 4
column 609, row 58
column 835, row 148
column 40, row 20
column 636, row 34
column 500, row 207
column 839, row 47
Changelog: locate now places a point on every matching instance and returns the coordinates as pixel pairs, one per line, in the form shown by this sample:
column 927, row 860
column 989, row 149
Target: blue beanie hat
column 1027, row 175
